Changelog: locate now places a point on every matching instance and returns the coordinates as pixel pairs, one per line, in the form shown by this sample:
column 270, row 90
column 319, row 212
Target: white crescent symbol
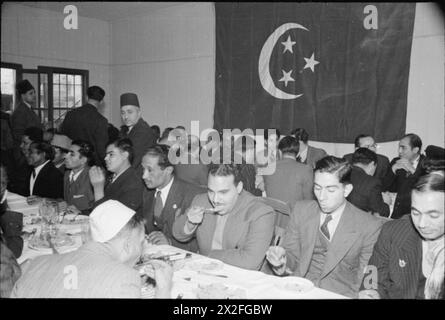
column 263, row 64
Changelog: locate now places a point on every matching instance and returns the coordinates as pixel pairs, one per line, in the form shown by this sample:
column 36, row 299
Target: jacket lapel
column 309, row 231
column 172, row 199
column 409, row 263
column 42, row 173
column 344, row 237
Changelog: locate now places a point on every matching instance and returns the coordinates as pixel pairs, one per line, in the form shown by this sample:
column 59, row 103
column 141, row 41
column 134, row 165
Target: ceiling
column 107, row 11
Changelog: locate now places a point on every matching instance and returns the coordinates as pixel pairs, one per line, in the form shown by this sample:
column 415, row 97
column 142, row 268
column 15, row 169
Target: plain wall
column 35, row 37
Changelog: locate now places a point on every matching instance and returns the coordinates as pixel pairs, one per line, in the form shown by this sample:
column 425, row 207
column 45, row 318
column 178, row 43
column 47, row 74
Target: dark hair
column 45, row 148
column 225, row 170
column 86, row 150
column 35, row 134
column 341, row 167
column 161, row 152
column 180, row 127
column 96, row 93
column 301, row 134
column 364, row 156
column 266, row 133
column 289, row 144
column 125, row 145
column 165, row 133
column 414, row 140
column 433, row 181
column 156, row 131
column 357, row 139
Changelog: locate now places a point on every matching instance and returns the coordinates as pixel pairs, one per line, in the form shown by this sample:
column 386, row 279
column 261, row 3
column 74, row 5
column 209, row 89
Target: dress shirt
column 33, row 179
column 74, row 176
column 336, row 215
column 117, row 176
column 165, row 191
column 428, row 255
column 303, row 154
column 219, row 231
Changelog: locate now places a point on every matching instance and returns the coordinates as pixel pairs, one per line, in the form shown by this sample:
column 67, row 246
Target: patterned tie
column 324, row 227
column 158, row 204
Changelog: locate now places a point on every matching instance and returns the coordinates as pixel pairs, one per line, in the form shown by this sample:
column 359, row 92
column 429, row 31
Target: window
column 58, row 90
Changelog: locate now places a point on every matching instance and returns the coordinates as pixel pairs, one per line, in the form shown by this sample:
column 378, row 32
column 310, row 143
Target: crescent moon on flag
column 263, row 63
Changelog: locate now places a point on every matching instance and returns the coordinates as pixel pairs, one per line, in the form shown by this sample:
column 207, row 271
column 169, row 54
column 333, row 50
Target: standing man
column 135, row 128
column 229, row 223
column 166, row 195
column 23, row 117
column 86, row 123
column 307, row 154
column 328, row 241
column 405, row 170
column 367, row 141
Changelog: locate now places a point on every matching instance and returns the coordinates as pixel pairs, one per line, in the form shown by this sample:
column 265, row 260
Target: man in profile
column 86, row 123
column 307, row 154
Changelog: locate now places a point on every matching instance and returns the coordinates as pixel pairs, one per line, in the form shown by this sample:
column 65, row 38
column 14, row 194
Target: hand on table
column 158, row 238
column 368, row 294
column 277, row 258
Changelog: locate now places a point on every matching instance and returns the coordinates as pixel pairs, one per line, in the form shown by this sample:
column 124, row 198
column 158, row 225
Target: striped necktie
column 324, row 227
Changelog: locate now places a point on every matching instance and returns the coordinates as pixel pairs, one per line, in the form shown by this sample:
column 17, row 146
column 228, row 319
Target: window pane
column 56, row 96
column 63, row 95
column 43, row 90
column 62, row 78
column 8, row 78
column 70, row 79
column 78, row 79
column 56, row 78
column 78, row 95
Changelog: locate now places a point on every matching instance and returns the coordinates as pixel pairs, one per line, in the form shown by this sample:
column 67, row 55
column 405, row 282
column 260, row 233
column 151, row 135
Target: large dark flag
column 335, row 69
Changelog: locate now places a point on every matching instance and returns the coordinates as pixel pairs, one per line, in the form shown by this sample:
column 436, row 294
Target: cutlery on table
column 212, row 274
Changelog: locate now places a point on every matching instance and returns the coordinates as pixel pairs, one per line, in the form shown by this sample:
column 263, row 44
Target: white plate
column 293, row 284
column 219, row 290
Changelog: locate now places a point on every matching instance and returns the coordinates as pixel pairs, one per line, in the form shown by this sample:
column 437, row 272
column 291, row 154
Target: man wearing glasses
column 367, row 141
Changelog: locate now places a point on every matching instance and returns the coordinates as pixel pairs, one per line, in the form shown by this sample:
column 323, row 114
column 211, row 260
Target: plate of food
column 40, row 243
column 220, row 291
column 204, row 265
column 74, row 219
column 294, row 284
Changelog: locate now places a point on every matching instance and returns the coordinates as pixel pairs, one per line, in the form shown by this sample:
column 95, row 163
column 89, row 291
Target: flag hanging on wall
column 335, row 69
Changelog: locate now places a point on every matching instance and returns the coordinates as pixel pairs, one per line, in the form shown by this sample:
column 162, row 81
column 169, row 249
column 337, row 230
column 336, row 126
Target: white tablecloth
column 257, row 285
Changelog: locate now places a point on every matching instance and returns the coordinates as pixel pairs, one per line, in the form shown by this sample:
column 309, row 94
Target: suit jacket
column 21, row 119
column 247, row 232
column 142, row 138
column 181, row 195
column 402, row 183
column 127, row 189
column 98, row 272
column 86, row 123
column 49, row 183
column 313, row 155
column 349, row 252
column 381, row 171
column 291, row 182
column 367, row 192
column 398, row 258
column 80, row 192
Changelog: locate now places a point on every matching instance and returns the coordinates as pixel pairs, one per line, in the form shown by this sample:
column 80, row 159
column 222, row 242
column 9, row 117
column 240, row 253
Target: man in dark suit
column 328, row 241
column 23, row 117
column 86, row 123
column 307, row 154
column 405, row 170
column 135, row 128
column 292, row 181
column 367, row 189
column 408, row 258
column 45, row 180
column 165, row 198
column 367, row 141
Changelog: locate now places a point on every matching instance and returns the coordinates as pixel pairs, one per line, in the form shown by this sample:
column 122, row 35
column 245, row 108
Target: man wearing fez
column 23, row 117
column 86, row 123
column 135, row 128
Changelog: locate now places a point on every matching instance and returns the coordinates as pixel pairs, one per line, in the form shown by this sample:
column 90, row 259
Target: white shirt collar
column 32, row 179
column 416, row 162
column 165, row 191
column 73, row 176
column 303, row 154
column 29, row 106
column 336, row 216
column 117, row 176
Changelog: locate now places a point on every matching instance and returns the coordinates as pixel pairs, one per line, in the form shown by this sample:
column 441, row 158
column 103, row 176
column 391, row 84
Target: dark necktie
column 324, row 227
column 33, row 173
column 158, row 204
column 298, row 159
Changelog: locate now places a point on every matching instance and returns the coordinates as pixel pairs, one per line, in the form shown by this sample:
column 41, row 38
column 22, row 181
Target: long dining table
column 195, row 276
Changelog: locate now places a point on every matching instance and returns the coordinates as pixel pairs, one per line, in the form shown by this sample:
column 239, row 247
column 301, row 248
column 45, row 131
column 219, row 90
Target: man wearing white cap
column 102, row 268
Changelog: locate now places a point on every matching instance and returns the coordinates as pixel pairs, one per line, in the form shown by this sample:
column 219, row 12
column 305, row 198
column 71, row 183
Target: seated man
column 78, row 192
column 307, row 154
column 367, row 189
column 61, row 145
column 44, row 180
column 123, row 185
column 102, row 268
column 367, row 141
column 328, row 241
column 229, row 223
column 405, row 170
column 409, row 254
column 292, row 181
column 165, row 196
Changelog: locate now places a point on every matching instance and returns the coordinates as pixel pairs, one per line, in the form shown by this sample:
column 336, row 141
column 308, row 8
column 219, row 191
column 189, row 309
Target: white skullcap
column 107, row 219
